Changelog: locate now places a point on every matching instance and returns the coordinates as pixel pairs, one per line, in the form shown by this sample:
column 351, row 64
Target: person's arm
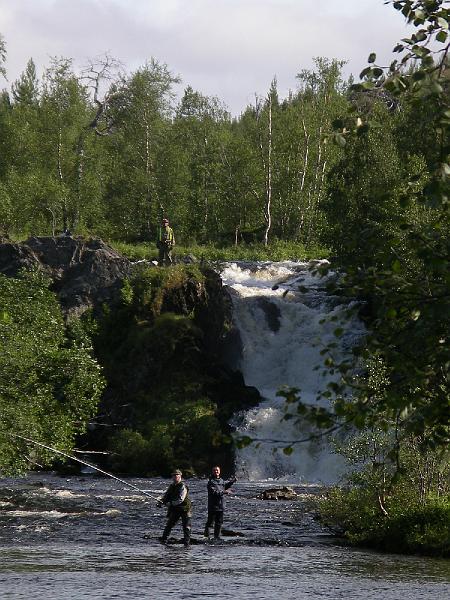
column 230, row 482
column 163, row 499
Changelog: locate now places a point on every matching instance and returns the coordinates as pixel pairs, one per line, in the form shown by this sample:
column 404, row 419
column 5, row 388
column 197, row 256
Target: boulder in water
column 283, row 493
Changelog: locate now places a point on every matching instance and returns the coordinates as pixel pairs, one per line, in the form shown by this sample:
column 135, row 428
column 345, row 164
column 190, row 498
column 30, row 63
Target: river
column 91, row 537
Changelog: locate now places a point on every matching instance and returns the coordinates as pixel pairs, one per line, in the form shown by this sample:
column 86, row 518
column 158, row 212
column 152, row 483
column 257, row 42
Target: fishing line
column 83, row 462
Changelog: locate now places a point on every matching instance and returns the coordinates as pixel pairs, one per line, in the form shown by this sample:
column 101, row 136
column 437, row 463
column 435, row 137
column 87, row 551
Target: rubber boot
column 217, row 530
column 187, row 538
column 165, row 535
column 206, row 532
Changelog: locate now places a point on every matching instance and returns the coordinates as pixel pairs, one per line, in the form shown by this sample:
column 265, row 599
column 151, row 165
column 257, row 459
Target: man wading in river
column 217, row 488
column 179, row 506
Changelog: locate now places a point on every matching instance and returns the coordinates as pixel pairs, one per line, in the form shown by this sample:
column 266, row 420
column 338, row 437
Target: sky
column 231, row 49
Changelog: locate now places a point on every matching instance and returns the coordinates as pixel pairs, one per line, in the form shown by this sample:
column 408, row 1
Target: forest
column 358, row 172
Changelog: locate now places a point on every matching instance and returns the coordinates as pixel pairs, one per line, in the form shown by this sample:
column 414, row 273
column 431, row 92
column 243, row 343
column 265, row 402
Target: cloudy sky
column 227, row 48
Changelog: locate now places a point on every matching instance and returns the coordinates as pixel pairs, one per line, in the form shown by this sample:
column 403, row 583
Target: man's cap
column 177, row 472
column 165, row 220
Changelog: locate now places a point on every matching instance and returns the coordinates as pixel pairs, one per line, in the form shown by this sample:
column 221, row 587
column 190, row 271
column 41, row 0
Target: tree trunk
column 61, row 181
column 303, row 177
column 267, row 213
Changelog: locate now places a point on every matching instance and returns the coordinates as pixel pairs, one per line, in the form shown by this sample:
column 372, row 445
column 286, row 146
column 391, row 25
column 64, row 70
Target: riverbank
column 83, row 537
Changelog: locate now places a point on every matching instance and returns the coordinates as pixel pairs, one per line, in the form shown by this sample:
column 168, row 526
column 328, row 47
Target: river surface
column 92, row 537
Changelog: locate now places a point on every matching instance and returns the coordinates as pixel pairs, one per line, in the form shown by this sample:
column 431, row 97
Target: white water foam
column 283, row 331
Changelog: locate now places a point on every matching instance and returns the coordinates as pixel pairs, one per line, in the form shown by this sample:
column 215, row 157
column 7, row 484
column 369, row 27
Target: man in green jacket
column 165, row 243
column 176, row 498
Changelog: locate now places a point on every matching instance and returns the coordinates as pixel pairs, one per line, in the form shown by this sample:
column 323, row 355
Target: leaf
column 421, row 36
column 340, row 140
column 396, row 266
column 5, row 316
column 288, row 450
column 436, row 88
column 338, row 332
column 372, row 57
column 418, row 75
column 337, row 124
column 244, row 441
column 441, row 37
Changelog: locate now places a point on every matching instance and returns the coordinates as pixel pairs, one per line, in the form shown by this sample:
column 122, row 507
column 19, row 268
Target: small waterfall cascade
column 283, row 330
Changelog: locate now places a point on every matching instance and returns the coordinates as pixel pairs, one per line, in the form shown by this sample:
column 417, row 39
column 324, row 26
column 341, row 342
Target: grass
column 276, row 251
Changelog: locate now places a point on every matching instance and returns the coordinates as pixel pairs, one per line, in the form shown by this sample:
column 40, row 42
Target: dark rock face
column 272, row 313
column 85, row 273
column 215, row 315
column 14, row 257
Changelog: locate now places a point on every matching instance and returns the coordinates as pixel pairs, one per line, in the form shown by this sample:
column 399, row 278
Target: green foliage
column 2, row 56
column 408, row 529
column 150, row 455
column 395, row 502
column 159, row 387
column 277, row 250
column 389, row 227
column 49, row 382
column 111, row 165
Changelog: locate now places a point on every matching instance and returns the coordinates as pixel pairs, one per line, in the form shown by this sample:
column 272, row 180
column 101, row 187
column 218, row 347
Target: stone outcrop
column 85, row 272
column 283, row 493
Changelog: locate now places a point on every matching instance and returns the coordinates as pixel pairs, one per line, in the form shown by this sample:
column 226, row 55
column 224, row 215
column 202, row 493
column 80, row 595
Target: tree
column 49, row 382
column 199, row 133
column 64, row 110
column 25, row 90
column 2, row 56
column 407, row 285
column 140, row 113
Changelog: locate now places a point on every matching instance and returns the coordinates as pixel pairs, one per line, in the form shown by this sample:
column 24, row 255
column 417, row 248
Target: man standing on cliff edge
column 165, row 243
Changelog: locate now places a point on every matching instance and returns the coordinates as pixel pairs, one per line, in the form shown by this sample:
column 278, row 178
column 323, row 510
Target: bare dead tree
column 100, row 73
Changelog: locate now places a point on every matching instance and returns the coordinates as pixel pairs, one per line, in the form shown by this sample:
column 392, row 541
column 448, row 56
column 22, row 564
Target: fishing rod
column 83, row 462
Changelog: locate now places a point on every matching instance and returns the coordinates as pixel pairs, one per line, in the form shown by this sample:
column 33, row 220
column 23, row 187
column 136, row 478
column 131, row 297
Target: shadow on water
column 87, row 537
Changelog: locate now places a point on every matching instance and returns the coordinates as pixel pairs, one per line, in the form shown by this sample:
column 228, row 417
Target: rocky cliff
column 162, row 350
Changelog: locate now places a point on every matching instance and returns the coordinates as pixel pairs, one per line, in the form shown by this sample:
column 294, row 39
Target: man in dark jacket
column 176, row 498
column 217, row 488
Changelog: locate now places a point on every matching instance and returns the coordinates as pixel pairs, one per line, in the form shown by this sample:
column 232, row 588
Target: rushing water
column 285, row 318
column 89, row 537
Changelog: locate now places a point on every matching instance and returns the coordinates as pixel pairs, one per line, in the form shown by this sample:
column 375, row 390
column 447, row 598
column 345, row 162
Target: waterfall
column 283, row 330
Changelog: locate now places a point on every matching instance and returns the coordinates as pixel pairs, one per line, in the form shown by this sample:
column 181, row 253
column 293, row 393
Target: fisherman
column 165, row 243
column 217, row 488
column 176, row 498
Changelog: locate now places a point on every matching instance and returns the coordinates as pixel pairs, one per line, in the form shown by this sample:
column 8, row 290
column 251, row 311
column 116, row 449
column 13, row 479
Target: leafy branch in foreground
column 398, row 378
column 49, row 382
